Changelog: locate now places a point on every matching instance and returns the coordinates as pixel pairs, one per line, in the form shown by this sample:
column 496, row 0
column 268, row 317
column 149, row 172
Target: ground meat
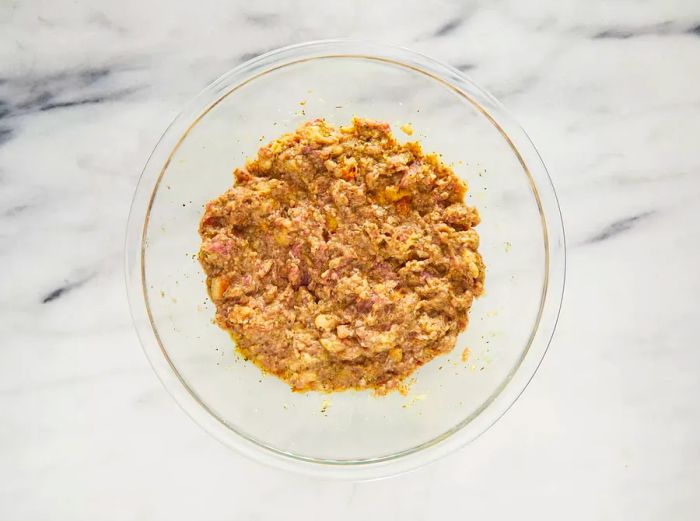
column 341, row 258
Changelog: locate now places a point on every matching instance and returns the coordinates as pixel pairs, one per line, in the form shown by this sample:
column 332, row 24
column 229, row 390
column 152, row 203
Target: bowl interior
column 350, row 426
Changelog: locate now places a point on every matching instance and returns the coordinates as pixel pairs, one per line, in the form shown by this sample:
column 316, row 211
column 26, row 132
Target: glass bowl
column 351, row 434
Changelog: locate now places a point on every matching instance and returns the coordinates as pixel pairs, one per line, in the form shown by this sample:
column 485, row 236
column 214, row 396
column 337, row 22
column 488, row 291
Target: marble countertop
column 609, row 427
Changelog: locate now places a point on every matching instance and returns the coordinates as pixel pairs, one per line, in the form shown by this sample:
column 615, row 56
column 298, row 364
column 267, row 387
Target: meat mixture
column 341, row 258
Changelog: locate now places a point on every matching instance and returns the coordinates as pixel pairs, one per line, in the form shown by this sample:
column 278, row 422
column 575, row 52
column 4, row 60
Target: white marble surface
column 610, row 426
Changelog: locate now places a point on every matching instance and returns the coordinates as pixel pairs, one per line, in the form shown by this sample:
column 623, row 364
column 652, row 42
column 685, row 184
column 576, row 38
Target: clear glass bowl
column 351, row 434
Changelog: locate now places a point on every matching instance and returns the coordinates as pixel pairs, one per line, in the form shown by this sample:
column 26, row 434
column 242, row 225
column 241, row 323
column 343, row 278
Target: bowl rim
column 553, row 234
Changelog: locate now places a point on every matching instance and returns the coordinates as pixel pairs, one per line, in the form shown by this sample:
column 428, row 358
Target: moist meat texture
column 341, row 258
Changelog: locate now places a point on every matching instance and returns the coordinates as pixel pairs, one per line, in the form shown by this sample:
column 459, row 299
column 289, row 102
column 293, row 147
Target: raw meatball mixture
column 342, row 258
